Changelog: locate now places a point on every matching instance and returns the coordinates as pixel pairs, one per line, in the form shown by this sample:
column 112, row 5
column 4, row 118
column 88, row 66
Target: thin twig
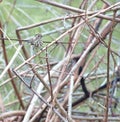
column 11, row 61
column 49, row 77
column 8, row 67
column 40, row 97
column 70, row 96
column 11, row 114
column 75, row 9
column 108, row 65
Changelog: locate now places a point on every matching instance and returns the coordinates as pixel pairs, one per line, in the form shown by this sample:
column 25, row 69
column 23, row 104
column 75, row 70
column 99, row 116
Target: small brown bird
column 36, row 40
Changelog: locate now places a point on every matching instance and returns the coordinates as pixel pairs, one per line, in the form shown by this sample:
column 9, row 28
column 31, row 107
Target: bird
column 36, row 40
